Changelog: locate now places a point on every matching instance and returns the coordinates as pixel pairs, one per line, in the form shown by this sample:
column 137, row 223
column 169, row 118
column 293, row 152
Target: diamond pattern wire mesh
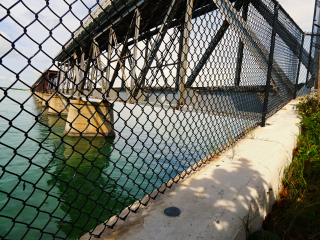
column 307, row 78
column 132, row 97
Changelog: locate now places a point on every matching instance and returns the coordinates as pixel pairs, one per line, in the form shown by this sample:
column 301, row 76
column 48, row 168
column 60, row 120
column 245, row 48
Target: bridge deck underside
column 119, row 16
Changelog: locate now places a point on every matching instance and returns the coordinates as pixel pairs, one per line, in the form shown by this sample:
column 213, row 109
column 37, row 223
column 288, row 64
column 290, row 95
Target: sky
column 301, row 11
column 28, row 27
column 28, row 33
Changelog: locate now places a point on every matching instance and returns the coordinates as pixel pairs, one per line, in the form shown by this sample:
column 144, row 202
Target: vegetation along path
column 296, row 214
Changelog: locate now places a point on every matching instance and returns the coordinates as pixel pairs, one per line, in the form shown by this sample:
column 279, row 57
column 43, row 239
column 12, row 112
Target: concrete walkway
column 218, row 201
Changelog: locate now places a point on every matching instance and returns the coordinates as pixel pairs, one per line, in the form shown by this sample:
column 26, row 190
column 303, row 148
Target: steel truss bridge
column 134, row 45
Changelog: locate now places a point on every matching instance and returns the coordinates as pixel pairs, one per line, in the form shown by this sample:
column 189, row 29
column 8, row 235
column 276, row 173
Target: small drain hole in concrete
column 172, row 212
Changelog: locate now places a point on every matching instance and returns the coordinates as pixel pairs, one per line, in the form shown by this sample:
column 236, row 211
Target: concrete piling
column 39, row 96
column 90, row 119
column 46, row 97
column 58, row 105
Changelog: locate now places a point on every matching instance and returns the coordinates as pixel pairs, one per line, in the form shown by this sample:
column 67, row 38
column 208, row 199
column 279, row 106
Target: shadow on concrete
column 223, row 200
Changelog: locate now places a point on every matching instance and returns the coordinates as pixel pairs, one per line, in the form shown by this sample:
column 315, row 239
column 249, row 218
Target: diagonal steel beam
column 86, row 71
column 119, row 60
column 160, row 62
column 213, row 44
column 254, row 46
column 156, row 45
column 122, row 53
column 283, row 32
column 241, row 46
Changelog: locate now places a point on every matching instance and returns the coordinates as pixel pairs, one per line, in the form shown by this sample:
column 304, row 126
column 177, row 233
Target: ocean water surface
column 54, row 186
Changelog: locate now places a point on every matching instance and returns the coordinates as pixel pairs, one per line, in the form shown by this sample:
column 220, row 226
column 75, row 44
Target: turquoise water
column 50, row 182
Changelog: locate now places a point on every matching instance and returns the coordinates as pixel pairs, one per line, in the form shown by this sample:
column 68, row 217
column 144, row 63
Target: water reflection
column 88, row 195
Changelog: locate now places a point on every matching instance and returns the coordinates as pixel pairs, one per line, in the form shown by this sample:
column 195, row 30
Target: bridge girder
column 84, row 68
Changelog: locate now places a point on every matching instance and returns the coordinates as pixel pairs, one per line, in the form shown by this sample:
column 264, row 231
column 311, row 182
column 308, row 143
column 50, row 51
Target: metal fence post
column 311, row 41
column 270, row 65
column 299, row 65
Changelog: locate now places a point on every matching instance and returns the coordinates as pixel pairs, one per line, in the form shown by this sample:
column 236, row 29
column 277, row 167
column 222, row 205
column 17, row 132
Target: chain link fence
column 105, row 104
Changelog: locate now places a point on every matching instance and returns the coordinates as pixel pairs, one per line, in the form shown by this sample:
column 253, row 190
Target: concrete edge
column 217, row 200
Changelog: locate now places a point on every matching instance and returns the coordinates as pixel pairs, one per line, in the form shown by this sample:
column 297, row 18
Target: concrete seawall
column 216, row 201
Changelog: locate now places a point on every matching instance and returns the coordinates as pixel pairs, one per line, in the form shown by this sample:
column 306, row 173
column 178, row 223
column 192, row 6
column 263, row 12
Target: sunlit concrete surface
column 219, row 200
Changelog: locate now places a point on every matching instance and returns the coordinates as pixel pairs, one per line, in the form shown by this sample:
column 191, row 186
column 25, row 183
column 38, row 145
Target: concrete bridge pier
column 58, row 105
column 38, row 96
column 90, row 119
column 46, row 97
